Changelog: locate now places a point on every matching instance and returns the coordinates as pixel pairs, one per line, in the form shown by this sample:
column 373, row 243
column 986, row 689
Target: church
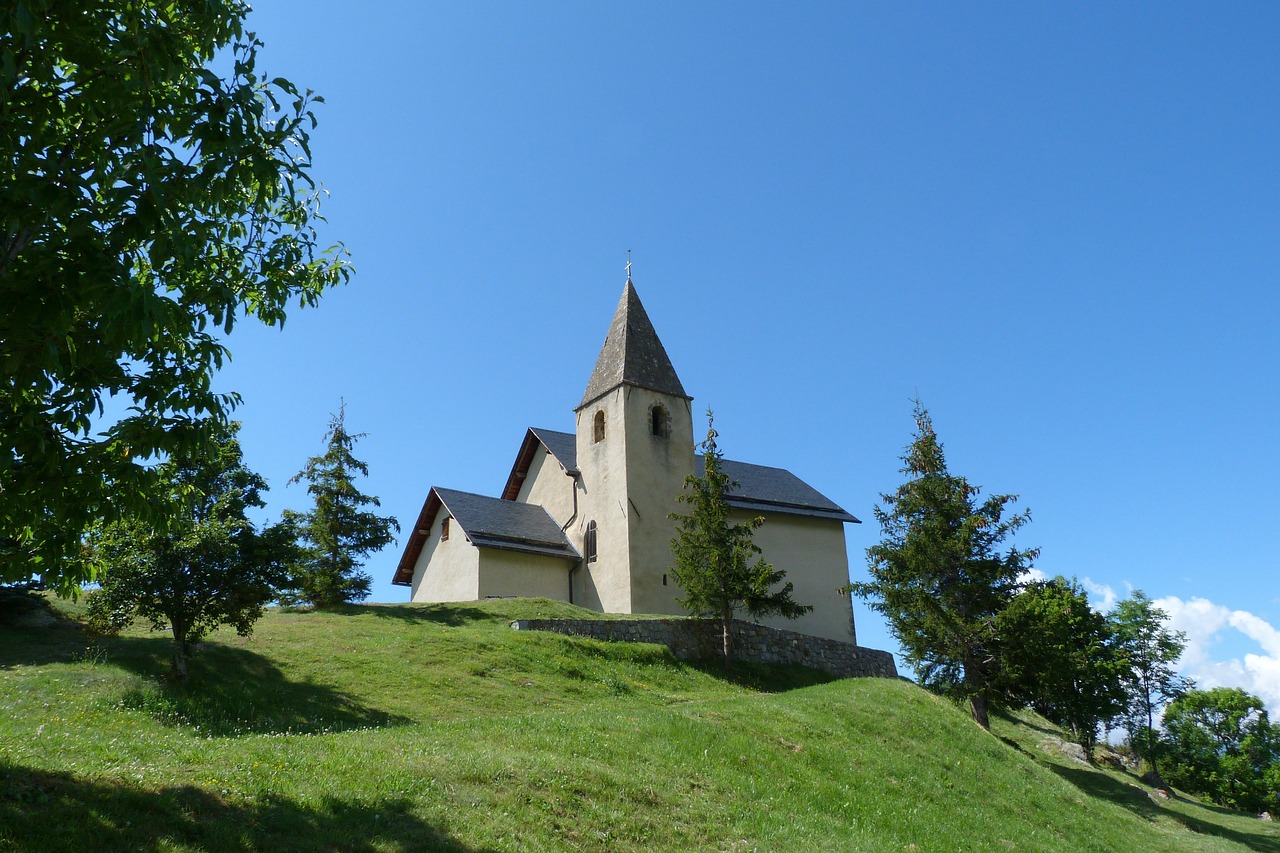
column 584, row 516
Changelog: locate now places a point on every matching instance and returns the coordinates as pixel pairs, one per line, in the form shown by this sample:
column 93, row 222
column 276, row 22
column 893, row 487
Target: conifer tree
column 338, row 534
column 938, row 575
column 717, row 566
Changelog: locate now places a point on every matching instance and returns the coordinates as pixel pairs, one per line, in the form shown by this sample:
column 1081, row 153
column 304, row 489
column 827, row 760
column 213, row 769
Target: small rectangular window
column 444, row 530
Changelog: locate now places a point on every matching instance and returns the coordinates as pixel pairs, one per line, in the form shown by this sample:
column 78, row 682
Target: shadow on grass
column 450, row 615
column 58, row 811
column 1136, row 800
column 233, row 691
column 762, row 677
column 1008, row 717
column 58, row 641
column 230, row 691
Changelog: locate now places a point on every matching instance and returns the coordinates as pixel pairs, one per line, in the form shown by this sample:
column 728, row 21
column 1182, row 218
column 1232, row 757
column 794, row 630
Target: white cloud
column 1032, row 576
column 1101, row 596
column 1205, row 624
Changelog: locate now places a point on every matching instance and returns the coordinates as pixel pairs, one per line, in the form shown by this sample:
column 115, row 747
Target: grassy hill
column 437, row 727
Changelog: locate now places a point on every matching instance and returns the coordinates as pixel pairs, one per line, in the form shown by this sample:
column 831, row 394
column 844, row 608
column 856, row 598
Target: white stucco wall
column 514, row 573
column 656, row 468
column 812, row 553
column 548, row 486
column 446, row 570
column 605, row 584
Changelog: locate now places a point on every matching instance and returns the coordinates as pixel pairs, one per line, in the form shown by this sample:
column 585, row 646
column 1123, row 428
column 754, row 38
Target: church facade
column 584, row 516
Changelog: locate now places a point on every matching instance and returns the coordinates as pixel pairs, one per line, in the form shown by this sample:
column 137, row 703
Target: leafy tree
column 1222, row 744
column 146, row 204
column 1061, row 657
column 938, row 575
column 717, row 566
column 1150, row 681
column 210, row 567
column 338, row 534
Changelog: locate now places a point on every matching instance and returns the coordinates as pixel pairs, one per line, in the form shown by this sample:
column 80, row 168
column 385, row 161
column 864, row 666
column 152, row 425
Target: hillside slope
column 437, row 727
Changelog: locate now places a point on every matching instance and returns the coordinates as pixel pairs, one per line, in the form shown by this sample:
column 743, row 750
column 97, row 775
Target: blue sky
column 1056, row 223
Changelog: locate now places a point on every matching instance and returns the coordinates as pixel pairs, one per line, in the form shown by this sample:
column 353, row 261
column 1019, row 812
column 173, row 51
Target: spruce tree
column 338, row 534
column 938, row 574
column 717, row 566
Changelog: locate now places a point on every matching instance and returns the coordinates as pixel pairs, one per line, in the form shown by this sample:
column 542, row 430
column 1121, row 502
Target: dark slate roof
column 764, row 489
column 562, row 445
column 495, row 523
column 632, row 354
column 760, row 488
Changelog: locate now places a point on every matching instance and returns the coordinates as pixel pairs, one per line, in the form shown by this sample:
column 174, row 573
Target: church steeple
column 632, row 354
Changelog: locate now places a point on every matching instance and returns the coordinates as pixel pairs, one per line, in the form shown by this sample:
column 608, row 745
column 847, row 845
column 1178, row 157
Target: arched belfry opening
column 660, row 421
column 597, row 429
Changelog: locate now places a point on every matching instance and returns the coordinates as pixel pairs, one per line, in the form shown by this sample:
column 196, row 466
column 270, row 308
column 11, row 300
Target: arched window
column 598, row 433
column 589, row 543
column 660, row 421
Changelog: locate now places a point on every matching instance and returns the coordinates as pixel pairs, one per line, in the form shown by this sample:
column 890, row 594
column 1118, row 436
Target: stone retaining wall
column 696, row 639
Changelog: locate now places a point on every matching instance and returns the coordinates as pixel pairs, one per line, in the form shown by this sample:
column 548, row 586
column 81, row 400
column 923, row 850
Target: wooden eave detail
column 417, row 539
column 520, row 470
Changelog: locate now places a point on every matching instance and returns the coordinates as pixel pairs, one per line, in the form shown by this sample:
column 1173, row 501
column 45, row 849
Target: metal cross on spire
column 628, row 265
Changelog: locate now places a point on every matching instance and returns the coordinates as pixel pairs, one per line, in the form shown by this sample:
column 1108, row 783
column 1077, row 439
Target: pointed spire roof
column 632, row 354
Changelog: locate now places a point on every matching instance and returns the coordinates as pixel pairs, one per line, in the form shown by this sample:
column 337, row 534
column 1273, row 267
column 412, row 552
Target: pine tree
column 717, row 566
column 338, row 533
column 938, row 576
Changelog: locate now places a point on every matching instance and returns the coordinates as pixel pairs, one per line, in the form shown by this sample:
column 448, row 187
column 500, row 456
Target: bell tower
column 635, row 447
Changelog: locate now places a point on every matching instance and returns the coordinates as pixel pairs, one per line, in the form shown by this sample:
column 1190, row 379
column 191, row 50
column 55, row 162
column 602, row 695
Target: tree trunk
column 726, row 634
column 179, row 655
column 978, row 707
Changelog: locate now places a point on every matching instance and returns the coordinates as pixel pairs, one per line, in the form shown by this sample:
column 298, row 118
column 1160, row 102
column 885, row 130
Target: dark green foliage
column 338, row 533
column 938, row 575
column 146, row 204
column 210, row 567
column 1062, row 658
column 717, row 566
column 1222, row 744
column 1150, row 680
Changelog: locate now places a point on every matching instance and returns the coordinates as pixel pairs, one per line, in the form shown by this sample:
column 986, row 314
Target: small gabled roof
column 562, row 446
column 632, row 354
column 487, row 523
column 495, row 523
column 763, row 489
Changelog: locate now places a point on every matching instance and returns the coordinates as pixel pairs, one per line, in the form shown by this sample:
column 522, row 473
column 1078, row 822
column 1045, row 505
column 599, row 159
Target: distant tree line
column 974, row 626
column 208, row 565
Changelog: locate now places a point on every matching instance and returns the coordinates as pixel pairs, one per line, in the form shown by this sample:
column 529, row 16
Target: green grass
column 437, row 727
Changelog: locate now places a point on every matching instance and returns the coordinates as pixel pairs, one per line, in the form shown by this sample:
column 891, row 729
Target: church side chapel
column 584, row 516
